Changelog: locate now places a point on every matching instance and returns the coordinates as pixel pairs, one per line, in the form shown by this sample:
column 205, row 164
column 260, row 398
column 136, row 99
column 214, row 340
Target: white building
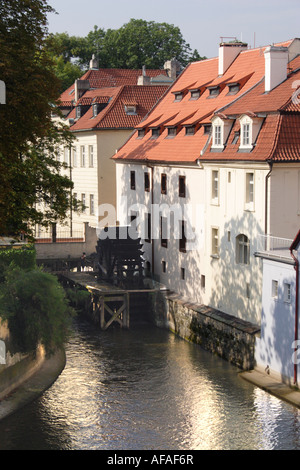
column 222, row 150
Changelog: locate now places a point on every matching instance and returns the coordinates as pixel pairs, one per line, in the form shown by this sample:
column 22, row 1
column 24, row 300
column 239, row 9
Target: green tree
column 29, row 137
column 36, row 310
column 135, row 44
column 139, row 43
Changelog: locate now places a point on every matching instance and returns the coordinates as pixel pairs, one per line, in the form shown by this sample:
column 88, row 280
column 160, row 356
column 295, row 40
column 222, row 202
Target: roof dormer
column 221, row 128
column 250, row 126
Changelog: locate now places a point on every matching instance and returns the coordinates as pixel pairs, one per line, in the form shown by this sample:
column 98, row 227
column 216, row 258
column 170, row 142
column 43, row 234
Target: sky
column 202, row 22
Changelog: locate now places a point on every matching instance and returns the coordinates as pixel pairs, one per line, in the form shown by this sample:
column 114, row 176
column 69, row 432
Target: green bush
column 36, row 309
column 23, row 257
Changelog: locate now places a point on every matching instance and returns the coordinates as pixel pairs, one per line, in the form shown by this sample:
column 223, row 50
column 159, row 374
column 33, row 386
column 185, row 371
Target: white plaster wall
column 225, row 281
column 274, row 347
column 285, row 200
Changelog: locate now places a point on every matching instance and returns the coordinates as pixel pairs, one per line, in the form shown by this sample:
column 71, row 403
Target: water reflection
column 147, row 389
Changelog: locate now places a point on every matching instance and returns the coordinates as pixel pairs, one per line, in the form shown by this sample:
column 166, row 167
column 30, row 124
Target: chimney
column 228, row 51
column 276, row 61
column 172, row 68
column 94, row 64
column 81, row 86
column 143, row 79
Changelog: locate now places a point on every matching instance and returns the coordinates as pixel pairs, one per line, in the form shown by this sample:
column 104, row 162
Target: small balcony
column 274, row 247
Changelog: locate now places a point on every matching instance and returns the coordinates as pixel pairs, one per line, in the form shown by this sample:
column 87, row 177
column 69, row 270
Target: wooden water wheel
column 120, row 257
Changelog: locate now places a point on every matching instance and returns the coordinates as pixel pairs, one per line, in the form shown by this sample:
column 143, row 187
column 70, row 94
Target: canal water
column 146, row 389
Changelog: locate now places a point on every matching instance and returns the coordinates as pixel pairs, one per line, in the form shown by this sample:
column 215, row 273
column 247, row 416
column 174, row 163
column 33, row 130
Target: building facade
column 211, row 169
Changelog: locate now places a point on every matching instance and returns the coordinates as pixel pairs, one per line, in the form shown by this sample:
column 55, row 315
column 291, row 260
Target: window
column 95, row 109
column 83, row 202
column 178, row 96
column 190, row 130
column 249, row 190
column 82, row 156
column 181, row 186
column 214, row 91
column 182, row 237
column 164, row 231
column 130, row 110
column 155, row 133
column 147, row 181
column 78, row 112
column 242, row 249
column 163, row 266
column 287, row 292
column 202, row 282
column 148, row 228
column 207, row 128
column 74, row 157
column 92, row 204
column 274, row 289
column 215, row 241
column 66, row 155
column 132, row 180
column 141, row 133
column 246, row 134
column 215, row 186
column 91, row 156
column 163, row 183
column 182, row 274
column 233, row 88
column 195, row 94
column 217, row 135
column 248, row 290
column 172, row 131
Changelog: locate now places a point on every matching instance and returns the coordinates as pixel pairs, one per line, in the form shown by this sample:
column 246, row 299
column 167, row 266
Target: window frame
column 182, row 186
column 132, row 180
column 242, row 247
column 215, row 246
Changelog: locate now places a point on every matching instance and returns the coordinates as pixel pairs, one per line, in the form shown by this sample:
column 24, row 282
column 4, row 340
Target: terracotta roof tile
column 114, row 116
column 248, row 69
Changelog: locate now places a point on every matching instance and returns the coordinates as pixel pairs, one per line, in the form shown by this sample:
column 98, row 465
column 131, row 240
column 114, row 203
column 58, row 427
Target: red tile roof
column 114, row 116
column 248, row 69
column 107, row 78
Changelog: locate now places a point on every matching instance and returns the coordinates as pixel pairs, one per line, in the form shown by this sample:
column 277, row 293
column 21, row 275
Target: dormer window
column 155, row 132
column 233, row 88
column 207, row 129
column 78, row 112
column 190, row 130
column 141, row 133
column 95, row 109
column 220, row 132
column 249, row 130
column 130, row 110
column 172, row 131
column 178, row 96
column 195, row 94
column 213, row 91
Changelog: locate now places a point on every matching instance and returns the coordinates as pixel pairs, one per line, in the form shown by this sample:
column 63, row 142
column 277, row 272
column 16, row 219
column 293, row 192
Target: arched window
column 242, row 249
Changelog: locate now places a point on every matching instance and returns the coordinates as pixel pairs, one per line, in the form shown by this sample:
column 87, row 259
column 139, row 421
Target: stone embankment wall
column 17, row 368
column 224, row 335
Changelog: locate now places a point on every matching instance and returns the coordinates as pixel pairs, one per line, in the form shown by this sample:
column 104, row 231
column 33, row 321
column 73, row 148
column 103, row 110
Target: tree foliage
column 135, row 44
column 29, row 138
column 36, row 310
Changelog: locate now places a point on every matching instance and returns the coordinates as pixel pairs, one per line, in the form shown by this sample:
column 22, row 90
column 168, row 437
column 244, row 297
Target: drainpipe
column 296, row 311
column 267, row 198
column 152, row 204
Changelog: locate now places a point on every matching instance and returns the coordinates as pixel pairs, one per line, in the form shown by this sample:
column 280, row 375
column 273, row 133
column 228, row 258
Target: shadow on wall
column 236, row 272
column 275, row 345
